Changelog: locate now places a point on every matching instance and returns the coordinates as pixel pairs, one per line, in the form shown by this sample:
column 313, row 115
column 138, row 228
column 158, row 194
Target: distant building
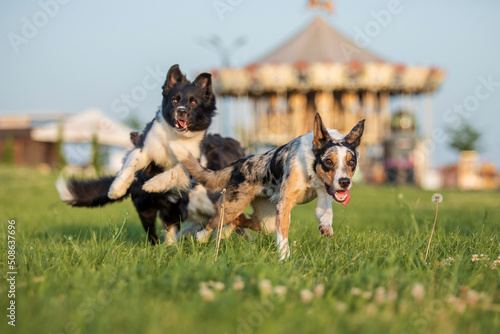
column 16, row 130
column 34, row 137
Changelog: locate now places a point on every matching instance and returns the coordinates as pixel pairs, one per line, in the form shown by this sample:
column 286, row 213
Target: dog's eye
column 193, row 103
column 351, row 163
column 174, row 100
column 329, row 162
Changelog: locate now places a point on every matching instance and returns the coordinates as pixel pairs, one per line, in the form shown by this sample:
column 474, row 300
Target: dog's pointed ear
column 321, row 135
column 353, row 138
column 174, row 76
column 204, row 81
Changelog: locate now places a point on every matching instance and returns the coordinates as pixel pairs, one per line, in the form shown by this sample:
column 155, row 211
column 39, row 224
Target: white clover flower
column 356, row 291
column 485, row 257
column 380, row 296
column 280, row 290
column 306, row 296
column 437, row 198
column 207, row 294
column 418, row 291
column 472, row 297
column 341, row 307
column 219, row 286
column 475, row 258
column 319, row 290
column 265, row 287
column 367, row 294
column 391, row 295
column 238, row 284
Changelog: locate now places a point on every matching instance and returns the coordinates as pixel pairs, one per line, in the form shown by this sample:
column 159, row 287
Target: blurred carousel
column 320, row 70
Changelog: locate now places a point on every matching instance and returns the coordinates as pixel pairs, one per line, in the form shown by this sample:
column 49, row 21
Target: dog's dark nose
column 181, row 112
column 344, row 182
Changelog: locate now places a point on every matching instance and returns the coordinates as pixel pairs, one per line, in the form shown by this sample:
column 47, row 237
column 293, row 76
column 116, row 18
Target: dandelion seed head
column 437, row 198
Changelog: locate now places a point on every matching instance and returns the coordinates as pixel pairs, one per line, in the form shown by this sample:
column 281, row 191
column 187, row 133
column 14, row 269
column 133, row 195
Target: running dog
column 193, row 208
column 185, row 115
column 319, row 164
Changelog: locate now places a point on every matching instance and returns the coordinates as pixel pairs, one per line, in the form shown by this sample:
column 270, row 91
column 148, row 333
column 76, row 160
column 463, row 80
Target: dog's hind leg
column 135, row 160
column 324, row 213
column 263, row 219
column 171, row 218
column 148, row 219
column 233, row 207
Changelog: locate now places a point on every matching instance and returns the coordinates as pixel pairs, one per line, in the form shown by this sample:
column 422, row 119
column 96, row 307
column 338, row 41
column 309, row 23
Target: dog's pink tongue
column 182, row 123
column 348, row 198
column 347, row 195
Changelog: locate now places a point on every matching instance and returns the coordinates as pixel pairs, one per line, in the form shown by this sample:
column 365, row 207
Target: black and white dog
column 193, row 208
column 185, row 115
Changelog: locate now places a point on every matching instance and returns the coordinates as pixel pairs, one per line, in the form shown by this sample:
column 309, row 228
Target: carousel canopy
column 82, row 126
column 317, row 43
column 319, row 58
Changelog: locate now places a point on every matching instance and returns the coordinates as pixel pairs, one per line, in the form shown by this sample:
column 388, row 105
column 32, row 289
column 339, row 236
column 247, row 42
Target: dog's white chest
column 157, row 142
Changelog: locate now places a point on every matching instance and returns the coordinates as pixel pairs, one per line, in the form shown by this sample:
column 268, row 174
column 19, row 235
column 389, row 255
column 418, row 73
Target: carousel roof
column 319, row 58
column 318, row 42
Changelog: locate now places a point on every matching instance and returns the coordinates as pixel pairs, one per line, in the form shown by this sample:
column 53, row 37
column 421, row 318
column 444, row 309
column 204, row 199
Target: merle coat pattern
column 320, row 164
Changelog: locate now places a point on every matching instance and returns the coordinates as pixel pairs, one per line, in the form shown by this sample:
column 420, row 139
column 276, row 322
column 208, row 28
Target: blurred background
column 77, row 77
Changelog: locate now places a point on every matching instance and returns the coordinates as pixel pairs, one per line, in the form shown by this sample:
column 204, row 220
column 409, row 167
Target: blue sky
column 91, row 52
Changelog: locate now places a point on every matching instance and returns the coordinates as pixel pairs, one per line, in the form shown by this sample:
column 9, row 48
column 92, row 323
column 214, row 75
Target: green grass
column 91, row 270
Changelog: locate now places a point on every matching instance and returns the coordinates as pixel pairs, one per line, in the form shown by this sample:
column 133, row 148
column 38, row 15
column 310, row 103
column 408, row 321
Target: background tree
column 133, row 121
column 60, row 159
column 98, row 154
column 8, row 152
column 464, row 138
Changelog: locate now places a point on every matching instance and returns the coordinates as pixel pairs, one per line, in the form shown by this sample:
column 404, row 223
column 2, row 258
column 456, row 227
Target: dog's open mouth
column 182, row 125
column 340, row 196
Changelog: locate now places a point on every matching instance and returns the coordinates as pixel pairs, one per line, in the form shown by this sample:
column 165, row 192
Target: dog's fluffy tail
column 87, row 193
column 213, row 180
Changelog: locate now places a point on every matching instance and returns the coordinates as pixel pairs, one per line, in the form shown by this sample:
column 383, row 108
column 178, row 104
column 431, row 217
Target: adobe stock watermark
column 222, row 7
column 373, row 28
column 31, row 27
column 90, row 307
column 122, row 105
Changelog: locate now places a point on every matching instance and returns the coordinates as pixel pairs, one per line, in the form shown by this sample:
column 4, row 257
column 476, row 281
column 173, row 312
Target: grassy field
column 91, row 270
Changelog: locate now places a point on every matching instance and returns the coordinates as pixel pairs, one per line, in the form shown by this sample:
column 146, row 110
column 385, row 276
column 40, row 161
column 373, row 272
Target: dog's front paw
column 326, row 230
column 152, row 186
column 203, row 236
column 116, row 192
column 284, row 253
